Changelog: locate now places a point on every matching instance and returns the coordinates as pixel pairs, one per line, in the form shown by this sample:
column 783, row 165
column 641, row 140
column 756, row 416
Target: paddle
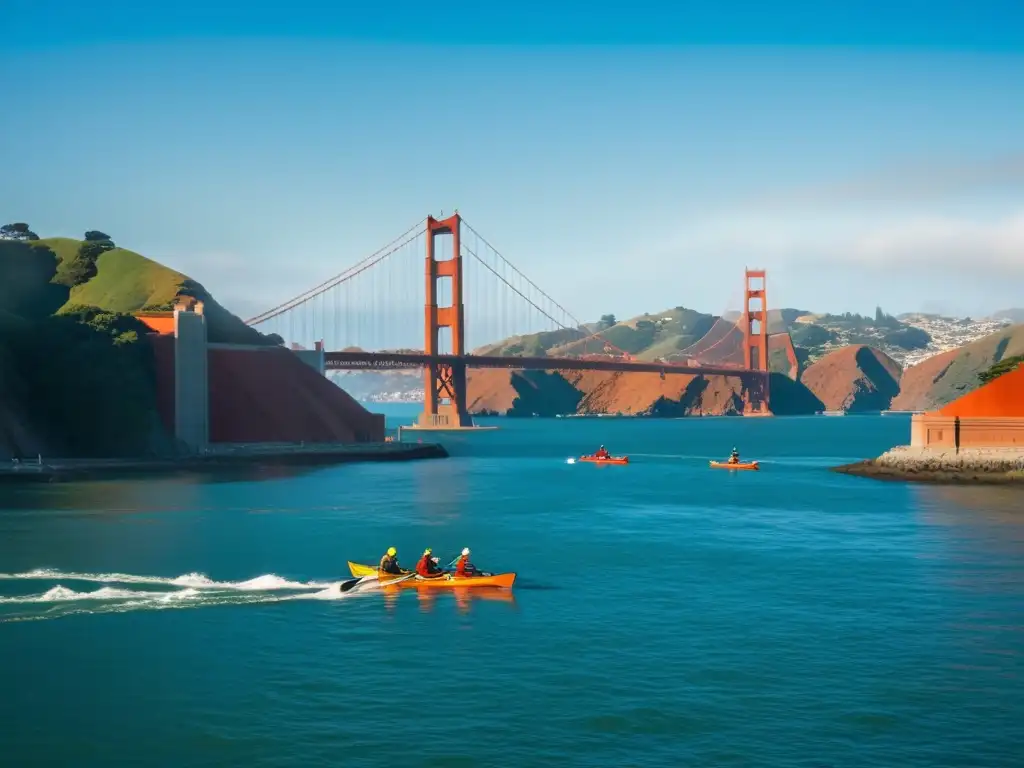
column 346, row 586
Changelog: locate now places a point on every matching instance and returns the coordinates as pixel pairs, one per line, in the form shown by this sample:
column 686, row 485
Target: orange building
column 991, row 416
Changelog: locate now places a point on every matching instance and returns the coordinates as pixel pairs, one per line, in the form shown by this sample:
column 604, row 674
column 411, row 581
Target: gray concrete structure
column 191, row 384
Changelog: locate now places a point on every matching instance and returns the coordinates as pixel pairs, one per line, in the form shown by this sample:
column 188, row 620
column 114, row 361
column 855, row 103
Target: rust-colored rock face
column 854, row 378
column 268, row 395
column 557, row 392
column 917, row 382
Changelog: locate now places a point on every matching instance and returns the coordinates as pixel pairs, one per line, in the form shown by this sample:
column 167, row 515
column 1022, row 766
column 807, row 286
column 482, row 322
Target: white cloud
column 862, row 241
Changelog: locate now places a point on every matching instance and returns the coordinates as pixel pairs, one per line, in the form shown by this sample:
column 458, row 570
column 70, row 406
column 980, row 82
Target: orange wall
column 999, row 398
column 160, row 323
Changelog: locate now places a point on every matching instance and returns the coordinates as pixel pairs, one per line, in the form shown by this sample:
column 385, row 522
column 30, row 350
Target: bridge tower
column 755, row 321
column 444, row 405
column 755, row 334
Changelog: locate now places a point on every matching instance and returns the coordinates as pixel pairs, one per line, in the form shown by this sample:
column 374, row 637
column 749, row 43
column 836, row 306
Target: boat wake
column 191, row 590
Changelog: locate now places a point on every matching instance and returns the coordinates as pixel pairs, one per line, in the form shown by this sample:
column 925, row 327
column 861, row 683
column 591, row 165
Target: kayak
column 727, row 465
column 448, row 580
column 609, row 460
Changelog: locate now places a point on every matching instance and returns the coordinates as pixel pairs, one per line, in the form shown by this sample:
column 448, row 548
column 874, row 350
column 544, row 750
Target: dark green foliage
column 82, row 379
column 1003, row 366
column 90, row 383
column 882, row 320
column 17, row 231
column 606, row 321
column 25, row 275
column 811, row 335
column 94, row 235
column 82, row 268
column 908, row 338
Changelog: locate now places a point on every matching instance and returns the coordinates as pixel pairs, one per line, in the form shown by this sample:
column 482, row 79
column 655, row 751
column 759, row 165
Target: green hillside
column 119, row 280
column 76, row 378
column 77, row 384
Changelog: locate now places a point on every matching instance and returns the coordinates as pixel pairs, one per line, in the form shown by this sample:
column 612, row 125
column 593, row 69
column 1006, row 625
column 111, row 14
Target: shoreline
column 218, row 458
column 977, row 466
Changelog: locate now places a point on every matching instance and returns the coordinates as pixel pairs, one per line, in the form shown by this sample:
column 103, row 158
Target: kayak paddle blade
column 346, row 586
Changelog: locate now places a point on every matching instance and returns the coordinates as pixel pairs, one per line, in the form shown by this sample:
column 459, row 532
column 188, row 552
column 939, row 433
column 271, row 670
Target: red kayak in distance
column 605, row 459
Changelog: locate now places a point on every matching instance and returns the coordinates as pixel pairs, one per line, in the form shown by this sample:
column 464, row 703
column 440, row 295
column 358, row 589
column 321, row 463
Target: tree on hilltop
column 17, row 231
column 95, row 236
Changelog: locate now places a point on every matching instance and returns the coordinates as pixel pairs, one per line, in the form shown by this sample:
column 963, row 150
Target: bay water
column 664, row 614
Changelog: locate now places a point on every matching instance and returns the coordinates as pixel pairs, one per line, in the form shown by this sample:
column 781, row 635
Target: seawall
column 219, row 457
column 931, row 465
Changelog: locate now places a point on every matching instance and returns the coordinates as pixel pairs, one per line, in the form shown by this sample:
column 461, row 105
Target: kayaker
column 389, row 563
column 427, row 566
column 734, row 458
column 602, row 453
column 462, row 566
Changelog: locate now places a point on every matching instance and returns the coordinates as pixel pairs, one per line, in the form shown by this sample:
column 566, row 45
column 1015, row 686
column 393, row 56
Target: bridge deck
column 379, row 361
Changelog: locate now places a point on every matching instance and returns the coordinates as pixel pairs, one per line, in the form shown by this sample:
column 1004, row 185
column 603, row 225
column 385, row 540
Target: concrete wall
column 930, row 430
column 191, row 391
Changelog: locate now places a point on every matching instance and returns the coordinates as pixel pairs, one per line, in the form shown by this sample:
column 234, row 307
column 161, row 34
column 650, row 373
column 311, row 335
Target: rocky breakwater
column 932, row 465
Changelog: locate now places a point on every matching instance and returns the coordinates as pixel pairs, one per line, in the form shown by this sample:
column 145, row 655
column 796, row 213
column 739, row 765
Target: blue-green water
column 665, row 614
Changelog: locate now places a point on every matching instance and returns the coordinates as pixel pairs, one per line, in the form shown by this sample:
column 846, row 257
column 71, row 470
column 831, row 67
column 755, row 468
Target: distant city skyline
column 862, row 157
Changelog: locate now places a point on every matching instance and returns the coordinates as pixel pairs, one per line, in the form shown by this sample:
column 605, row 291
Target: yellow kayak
column 449, row 580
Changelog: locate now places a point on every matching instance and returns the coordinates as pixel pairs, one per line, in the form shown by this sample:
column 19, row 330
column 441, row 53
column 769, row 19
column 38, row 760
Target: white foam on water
column 192, row 590
column 266, row 582
column 61, row 593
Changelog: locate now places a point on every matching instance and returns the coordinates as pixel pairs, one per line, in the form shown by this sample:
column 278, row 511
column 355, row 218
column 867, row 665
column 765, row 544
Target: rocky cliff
column 550, row 393
column 855, row 378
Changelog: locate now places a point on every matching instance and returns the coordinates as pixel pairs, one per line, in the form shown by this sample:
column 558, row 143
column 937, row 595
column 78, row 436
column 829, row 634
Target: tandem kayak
column 448, row 580
column 727, row 465
column 609, row 460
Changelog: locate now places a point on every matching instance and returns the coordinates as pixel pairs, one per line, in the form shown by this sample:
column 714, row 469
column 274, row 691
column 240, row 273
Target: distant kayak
column 605, row 460
column 739, row 465
column 448, row 580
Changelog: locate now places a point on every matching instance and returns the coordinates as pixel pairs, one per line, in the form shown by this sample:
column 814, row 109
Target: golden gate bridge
column 440, row 297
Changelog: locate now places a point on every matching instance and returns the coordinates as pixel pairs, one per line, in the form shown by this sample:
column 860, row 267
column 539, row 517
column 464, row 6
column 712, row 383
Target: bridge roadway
column 382, row 361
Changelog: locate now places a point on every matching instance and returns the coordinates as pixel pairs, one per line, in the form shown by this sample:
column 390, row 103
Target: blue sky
column 873, row 153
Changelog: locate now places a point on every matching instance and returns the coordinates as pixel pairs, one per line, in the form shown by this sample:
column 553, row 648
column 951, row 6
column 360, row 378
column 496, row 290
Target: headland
column 977, row 438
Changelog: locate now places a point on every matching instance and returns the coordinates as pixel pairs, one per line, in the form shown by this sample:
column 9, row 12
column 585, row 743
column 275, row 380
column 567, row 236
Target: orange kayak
column 448, row 580
column 609, row 460
column 727, row 465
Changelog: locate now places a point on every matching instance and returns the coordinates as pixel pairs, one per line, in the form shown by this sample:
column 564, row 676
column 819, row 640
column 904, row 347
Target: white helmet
column 465, row 550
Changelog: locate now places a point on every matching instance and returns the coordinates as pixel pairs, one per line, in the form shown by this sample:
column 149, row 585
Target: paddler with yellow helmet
column 389, row 563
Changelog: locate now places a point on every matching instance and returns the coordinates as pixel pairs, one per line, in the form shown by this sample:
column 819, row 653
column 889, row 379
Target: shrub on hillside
column 1003, row 366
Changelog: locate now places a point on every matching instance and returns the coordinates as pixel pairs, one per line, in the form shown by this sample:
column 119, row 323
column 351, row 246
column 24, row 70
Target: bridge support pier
column 444, row 402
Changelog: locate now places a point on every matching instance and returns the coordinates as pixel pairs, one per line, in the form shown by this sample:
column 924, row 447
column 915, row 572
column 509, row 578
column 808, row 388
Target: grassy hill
column 125, row 281
column 76, row 378
column 657, row 335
